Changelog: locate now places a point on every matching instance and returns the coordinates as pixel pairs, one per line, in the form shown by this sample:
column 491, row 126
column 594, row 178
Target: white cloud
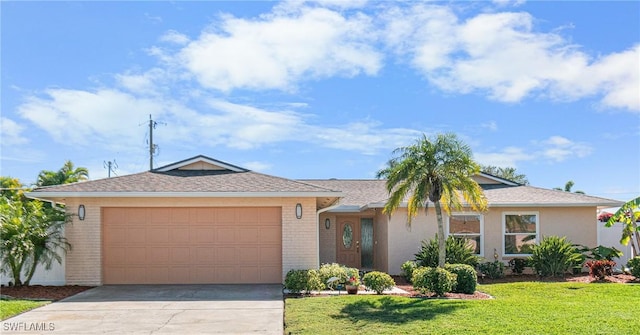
column 278, row 50
column 365, row 137
column 145, row 83
column 555, row 149
column 503, row 55
column 507, row 157
column 559, row 148
column 174, row 37
column 11, row 133
column 83, row 117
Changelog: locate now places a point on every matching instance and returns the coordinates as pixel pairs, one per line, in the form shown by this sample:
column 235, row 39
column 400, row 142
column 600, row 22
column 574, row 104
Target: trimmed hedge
column 466, row 278
column 378, row 281
column 297, row 281
column 436, row 280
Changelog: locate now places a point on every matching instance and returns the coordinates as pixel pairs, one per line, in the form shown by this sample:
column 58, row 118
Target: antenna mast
column 152, row 147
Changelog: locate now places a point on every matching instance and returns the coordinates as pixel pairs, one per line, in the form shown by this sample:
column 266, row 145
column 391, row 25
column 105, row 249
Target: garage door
column 192, row 245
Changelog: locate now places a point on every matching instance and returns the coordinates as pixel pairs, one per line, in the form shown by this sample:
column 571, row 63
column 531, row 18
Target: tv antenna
column 110, row 166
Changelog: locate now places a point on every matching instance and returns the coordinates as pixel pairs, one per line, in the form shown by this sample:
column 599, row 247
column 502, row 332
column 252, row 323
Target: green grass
column 518, row 308
column 9, row 308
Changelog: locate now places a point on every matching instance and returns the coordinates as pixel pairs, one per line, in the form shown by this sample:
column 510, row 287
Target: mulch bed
column 40, row 292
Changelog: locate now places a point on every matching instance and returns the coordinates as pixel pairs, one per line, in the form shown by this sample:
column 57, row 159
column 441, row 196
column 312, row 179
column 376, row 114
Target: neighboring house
column 205, row 221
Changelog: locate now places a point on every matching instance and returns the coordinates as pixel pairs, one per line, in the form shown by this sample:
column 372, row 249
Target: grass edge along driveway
column 11, row 307
column 518, row 308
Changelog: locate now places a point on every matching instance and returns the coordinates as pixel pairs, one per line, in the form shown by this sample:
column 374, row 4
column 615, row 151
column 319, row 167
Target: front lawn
column 518, row 308
column 9, row 308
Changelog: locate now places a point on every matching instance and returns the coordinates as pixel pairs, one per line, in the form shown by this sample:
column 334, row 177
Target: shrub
column 634, row 266
column 553, row 256
column 517, row 265
column 436, row 280
column 466, row 278
column 492, row 270
column 378, row 281
column 297, row 281
column 407, row 270
column 333, row 270
column 458, row 252
column 600, row 269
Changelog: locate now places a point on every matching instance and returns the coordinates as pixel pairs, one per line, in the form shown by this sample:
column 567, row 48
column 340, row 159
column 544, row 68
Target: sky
column 324, row 89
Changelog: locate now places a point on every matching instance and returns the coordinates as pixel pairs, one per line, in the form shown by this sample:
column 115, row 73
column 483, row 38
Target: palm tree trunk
column 442, row 249
column 636, row 247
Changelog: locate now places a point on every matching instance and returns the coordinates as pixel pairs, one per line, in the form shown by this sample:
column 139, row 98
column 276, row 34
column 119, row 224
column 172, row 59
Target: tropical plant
column 599, row 252
column 466, row 278
column 567, row 187
column 30, row 234
column 378, row 281
column 507, row 173
column 66, row 175
column 553, row 256
column 634, row 266
column 439, row 170
column 600, row 269
column 517, row 265
column 435, row 280
column 628, row 215
column 492, row 270
column 407, row 270
column 458, row 251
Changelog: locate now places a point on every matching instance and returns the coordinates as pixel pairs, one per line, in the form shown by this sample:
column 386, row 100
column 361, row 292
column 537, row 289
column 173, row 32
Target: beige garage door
column 192, row 245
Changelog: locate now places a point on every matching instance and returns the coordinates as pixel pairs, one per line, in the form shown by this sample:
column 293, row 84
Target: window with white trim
column 469, row 227
column 520, row 232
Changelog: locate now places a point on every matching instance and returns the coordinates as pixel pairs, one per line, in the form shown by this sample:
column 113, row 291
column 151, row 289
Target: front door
column 354, row 240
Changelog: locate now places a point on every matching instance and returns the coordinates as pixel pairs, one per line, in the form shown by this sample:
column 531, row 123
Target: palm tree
column 30, row 234
column 567, row 187
column 66, row 175
column 508, row 173
column 437, row 170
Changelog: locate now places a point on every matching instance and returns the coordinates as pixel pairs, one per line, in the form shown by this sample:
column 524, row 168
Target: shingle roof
column 357, row 193
column 373, row 193
column 194, row 181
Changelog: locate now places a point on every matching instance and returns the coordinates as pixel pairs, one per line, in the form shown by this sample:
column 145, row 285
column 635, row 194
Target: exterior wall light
column 327, row 223
column 81, row 212
column 299, row 211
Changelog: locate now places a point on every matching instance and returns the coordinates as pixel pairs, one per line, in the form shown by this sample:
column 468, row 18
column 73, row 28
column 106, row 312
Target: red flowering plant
column 604, row 216
column 354, row 277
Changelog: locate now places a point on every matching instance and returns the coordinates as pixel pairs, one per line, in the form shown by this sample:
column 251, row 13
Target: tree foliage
column 567, row 187
column 66, row 175
column 439, row 170
column 508, row 173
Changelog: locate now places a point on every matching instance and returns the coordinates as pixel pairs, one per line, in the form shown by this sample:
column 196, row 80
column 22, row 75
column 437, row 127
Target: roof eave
column 285, row 194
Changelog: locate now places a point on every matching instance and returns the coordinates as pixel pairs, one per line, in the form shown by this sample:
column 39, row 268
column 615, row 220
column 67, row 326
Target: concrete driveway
column 159, row 309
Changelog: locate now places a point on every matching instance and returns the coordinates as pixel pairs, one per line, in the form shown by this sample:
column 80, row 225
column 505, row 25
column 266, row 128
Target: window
column 520, row 232
column 468, row 226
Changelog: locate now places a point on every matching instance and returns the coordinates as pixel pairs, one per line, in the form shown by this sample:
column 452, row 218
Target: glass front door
column 366, row 236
